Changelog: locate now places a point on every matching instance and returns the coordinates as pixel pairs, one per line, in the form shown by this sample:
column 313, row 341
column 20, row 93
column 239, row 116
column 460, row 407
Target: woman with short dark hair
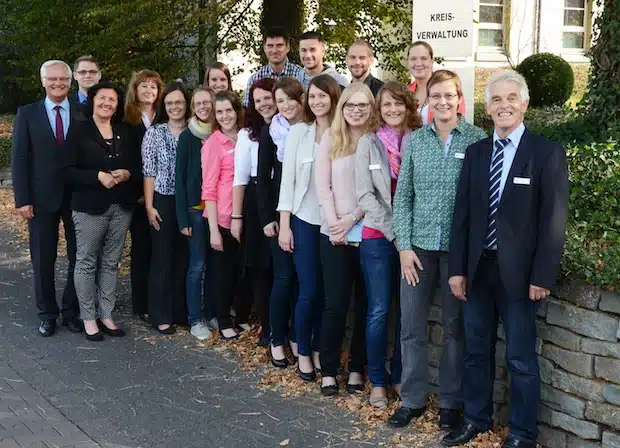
column 101, row 166
column 169, row 258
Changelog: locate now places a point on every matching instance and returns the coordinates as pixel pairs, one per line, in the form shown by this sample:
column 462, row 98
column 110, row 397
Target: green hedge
column 5, row 152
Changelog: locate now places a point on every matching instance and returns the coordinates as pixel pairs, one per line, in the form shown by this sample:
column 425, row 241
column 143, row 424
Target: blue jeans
column 488, row 299
column 379, row 261
column 282, row 298
column 311, row 299
column 197, row 263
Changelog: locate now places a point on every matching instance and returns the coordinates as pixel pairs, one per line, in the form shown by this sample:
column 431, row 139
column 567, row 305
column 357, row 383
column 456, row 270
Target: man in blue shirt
column 87, row 73
column 38, row 155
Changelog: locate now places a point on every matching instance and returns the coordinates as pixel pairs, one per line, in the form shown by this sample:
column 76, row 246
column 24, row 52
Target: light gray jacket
column 373, row 184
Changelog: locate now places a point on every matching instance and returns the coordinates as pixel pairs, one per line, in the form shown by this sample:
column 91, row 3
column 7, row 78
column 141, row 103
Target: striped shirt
column 266, row 71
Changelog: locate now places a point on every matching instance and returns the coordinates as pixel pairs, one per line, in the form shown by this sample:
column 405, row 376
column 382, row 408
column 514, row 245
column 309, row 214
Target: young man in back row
column 311, row 54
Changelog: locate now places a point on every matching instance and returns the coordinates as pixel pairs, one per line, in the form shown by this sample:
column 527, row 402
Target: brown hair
column 85, row 58
column 227, row 95
column 400, row 92
column 326, row 84
column 424, row 44
column 219, row 66
column 133, row 113
column 363, row 43
column 291, row 87
column 443, row 76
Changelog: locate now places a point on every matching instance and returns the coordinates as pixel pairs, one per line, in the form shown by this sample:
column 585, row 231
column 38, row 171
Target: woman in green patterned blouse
column 423, row 207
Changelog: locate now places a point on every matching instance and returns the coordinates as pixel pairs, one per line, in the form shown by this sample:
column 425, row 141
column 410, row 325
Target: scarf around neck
column 278, row 130
column 199, row 129
column 392, row 141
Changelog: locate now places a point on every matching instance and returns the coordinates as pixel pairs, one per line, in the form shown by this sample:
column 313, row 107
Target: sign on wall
column 448, row 26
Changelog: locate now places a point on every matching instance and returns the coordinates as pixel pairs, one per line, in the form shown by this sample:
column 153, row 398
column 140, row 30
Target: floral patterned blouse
column 159, row 152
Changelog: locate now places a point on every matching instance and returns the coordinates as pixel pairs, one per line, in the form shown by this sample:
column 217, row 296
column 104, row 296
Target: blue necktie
column 495, row 177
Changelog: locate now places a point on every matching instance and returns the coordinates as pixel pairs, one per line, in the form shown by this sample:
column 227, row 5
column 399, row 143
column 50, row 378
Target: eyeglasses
column 56, row 79
column 439, row 96
column 174, row 103
column 202, row 103
column 350, row 107
column 87, row 72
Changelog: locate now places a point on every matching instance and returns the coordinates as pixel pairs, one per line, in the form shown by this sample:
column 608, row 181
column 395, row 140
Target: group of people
column 311, row 196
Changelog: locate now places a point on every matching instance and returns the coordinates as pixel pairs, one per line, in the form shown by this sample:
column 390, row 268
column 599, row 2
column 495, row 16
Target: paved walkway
column 141, row 390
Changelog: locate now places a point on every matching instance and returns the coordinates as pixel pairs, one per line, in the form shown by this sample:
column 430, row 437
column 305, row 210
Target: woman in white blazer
column 377, row 167
column 300, row 218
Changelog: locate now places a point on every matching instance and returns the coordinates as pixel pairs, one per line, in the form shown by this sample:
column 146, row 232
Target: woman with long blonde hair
column 341, row 234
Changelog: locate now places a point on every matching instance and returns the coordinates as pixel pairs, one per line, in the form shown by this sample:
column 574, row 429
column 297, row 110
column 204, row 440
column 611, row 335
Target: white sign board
column 447, row 25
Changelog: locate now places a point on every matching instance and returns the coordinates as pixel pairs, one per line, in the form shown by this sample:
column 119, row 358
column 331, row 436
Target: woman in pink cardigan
column 218, row 171
column 341, row 233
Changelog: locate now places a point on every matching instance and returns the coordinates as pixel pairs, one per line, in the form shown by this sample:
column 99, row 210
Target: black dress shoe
column 403, row 416
column 116, row 333
column 355, row 388
column 97, row 337
column 306, row 376
column 74, row 325
column 511, row 442
column 465, row 433
column 47, row 327
column 329, row 391
column 449, row 419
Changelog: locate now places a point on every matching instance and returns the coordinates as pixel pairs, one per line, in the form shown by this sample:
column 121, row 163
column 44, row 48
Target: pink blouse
column 218, row 172
column 335, row 185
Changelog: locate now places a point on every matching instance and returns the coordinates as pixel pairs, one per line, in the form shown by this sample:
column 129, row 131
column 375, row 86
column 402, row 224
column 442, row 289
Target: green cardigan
column 188, row 183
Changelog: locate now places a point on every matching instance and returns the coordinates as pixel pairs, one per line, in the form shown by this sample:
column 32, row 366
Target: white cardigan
column 297, row 188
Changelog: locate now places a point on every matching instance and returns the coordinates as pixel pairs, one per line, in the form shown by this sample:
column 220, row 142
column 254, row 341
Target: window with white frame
column 491, row 23
column 574, row 29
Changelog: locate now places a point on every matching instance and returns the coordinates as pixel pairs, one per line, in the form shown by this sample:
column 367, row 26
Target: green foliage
column 286, row 14
column 603, row 96
column 386, row 24
column 5, row 151
column 549, row 78
column 175, row 37
column 592, row 249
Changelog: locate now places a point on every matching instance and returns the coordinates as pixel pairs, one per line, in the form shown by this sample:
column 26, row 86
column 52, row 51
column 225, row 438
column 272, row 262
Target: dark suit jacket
column 36, row 161
column 82, row 110
column 268, row 185
column 87, row 155
column 373, row 83
column 531, row 219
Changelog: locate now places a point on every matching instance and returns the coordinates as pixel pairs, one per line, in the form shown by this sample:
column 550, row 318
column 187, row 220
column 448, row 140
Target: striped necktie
column 495, row 177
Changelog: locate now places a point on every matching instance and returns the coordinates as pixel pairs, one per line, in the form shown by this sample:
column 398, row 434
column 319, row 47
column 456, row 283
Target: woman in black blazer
column 101, row 167
column 144, row 95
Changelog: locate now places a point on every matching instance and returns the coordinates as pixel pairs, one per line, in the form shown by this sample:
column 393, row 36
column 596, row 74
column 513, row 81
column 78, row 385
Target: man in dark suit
column 505, row 248
column 41, row 198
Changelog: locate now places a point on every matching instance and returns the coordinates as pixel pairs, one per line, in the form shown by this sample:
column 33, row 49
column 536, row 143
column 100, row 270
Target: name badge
column 230, row 151
column 308, row 160
column 374, row 167
column 459, row 155
column 521, row 180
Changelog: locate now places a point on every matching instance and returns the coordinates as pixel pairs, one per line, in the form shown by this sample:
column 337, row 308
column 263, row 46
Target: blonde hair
column 341, row 139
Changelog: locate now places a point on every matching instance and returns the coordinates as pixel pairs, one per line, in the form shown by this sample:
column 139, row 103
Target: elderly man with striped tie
column 505, row 248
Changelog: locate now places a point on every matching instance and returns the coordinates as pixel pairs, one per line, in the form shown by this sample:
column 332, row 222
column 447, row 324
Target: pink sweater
column 218, row 172
column 335, row 185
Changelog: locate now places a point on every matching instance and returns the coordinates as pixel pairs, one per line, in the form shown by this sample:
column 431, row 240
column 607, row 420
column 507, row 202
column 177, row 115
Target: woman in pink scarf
column 377, row 168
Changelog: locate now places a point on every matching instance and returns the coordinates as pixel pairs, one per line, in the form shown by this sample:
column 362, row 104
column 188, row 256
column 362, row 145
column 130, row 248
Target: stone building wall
column 579, row 355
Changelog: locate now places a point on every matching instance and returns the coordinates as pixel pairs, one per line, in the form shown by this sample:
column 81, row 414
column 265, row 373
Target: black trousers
column 342, row 277
column 166, row 300
column 43, row 229
column 225, row 282
column 140, row 260
column 254, row 291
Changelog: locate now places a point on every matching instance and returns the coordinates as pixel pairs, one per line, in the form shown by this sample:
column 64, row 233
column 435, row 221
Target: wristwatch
column 353, row 217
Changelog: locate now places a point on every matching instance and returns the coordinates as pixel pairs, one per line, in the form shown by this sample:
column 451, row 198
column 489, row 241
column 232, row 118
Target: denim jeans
column 486, row 300
column 311, row 297
column 194, row 285
column 379, row 261
column 283, row 297
column 414, row 305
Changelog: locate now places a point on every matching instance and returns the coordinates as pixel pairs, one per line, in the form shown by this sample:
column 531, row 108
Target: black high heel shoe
column 97, row 337
column 166, row 331
column 279, row 363
column 306, row 376
column 116, row 333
